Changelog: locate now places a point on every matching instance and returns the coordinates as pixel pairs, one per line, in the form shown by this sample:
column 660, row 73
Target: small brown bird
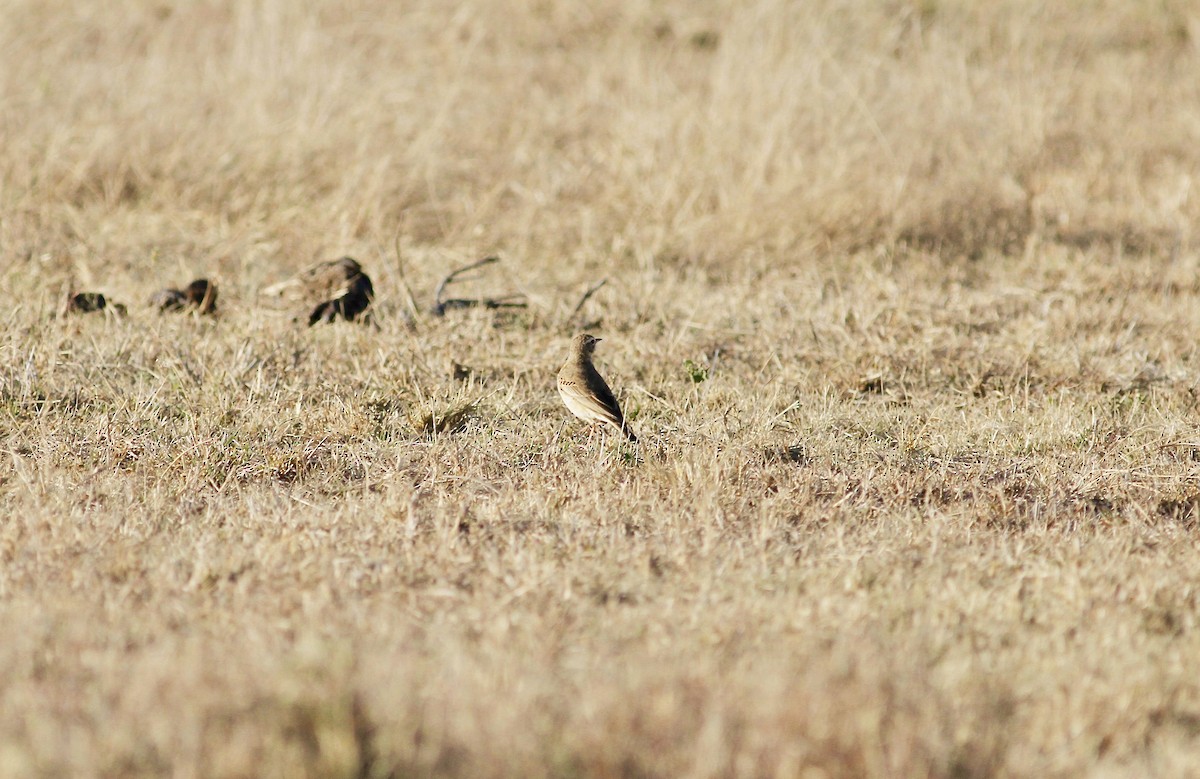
column 334, row 288
column 200, row 295
column 86, row 302
column 90, row 302
column 585, row 392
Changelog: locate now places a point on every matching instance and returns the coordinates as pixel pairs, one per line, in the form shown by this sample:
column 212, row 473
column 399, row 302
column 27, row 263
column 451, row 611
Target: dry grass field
column 903, row 300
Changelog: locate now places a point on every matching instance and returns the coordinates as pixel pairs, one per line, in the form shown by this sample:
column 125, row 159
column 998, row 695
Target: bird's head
column 585, row 344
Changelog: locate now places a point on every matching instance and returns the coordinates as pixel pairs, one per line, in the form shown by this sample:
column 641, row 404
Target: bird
column 86, row 302
column 200, row 295
column 584, row 391
column 334, row 288
column 90, row 302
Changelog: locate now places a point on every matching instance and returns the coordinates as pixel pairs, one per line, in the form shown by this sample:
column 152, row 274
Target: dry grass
column 902, row 300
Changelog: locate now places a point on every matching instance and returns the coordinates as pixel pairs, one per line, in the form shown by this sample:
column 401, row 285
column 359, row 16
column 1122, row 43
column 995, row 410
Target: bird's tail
column 628, row 431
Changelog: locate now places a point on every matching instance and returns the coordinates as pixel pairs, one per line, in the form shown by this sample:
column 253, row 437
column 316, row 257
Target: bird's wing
column 320, row 282
column 603, row 396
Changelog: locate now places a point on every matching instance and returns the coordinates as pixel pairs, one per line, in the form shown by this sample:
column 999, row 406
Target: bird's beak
column 597, row 340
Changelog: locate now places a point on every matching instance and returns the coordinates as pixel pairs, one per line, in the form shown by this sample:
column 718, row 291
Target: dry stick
column 591, row 291
column 440, row 306
column 507, row 301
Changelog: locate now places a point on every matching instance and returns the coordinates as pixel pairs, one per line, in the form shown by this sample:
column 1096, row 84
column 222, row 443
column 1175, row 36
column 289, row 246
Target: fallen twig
column 440, row 306
column 452, row 275
column 508, row 301
column 592, row 290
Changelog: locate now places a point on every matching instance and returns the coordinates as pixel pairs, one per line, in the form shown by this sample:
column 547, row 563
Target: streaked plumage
column 334, row 288
column 584, row 391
